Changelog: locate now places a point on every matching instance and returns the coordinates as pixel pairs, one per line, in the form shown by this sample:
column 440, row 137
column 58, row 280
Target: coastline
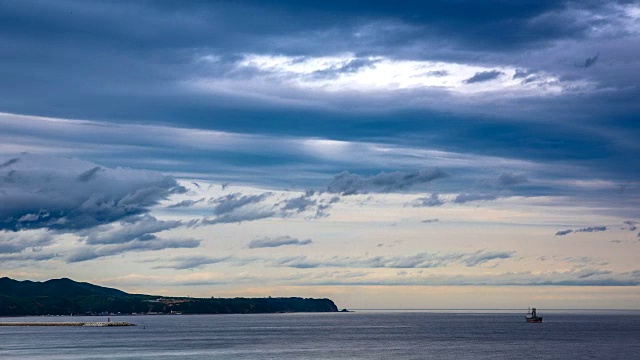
column 67, row 323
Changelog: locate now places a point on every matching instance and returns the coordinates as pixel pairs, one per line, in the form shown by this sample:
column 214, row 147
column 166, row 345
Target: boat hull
column 535, row 320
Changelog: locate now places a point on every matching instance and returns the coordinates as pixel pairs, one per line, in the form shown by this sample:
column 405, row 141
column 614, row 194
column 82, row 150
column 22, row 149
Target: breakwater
column 87, row 323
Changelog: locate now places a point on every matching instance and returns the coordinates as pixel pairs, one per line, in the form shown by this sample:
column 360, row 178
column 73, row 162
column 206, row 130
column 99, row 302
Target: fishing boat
column 532, row 316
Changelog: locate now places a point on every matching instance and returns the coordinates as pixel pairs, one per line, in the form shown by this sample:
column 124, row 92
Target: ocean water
column 356, row 335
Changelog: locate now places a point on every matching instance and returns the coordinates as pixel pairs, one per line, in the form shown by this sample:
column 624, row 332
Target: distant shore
column 67, row 323
column 65, row 296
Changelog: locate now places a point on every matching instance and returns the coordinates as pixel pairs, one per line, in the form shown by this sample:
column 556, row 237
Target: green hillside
column 65, row 296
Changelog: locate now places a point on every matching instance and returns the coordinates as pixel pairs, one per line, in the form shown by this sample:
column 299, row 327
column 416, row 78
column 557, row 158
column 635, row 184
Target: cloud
column 465, row 198
column 185, row 203
column 64, row 194
column 232, row 202
column 521, row 73
column 347, row 183
column 306, row 202
column 9, row 162
column 270, row 242
column 238, row 217
column 632, row 225
column 483, row 76
column 94, row 252
column 191, row 262
column 20, row 259
column 16, row 242
column 89, row 174
column 511, row 179
column 298, row 204
column 350, row 66
column 141, row 228
column 592, row 229
column 321, row 211
column 437, row 73
column 429, row 221
column 481, row 257
column 332, row 81
column 402, row 39
column 589, row 229
column 589, row 62
column 421, row 260
column 429, row 201
column 236, row 208
column 573, row 277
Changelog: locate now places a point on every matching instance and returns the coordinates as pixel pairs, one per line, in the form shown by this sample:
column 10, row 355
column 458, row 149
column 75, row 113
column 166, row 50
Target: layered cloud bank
column 61, row 194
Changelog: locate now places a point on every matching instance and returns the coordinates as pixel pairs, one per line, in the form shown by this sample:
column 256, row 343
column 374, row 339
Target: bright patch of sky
column 350, row 73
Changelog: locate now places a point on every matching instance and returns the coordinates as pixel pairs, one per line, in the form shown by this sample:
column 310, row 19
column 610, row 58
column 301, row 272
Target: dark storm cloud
column 347, row 183
column 189, row 23
column 530, row 22
column 564, row 232
column 138, row 51
column 484, row 76
column 271, row 242
column 42, row 192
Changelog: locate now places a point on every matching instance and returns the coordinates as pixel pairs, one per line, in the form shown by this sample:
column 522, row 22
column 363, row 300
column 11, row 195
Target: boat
column 532, row 316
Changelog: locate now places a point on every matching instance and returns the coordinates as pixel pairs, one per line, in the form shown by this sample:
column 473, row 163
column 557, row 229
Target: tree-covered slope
column 65, row 296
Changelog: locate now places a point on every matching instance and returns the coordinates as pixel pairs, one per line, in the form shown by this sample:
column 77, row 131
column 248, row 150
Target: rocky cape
column 65, row 296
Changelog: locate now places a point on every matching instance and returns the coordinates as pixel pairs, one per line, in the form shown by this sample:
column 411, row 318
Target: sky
column 411, row 154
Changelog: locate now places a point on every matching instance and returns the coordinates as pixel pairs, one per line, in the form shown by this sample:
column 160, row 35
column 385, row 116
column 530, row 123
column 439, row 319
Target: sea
column 363, row 334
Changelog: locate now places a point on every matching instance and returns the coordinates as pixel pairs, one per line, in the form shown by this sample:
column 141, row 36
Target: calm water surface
column 358, row 335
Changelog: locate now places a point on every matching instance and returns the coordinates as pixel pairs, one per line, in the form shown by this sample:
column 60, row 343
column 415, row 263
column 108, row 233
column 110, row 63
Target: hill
column 55, row 287
column 65, row 296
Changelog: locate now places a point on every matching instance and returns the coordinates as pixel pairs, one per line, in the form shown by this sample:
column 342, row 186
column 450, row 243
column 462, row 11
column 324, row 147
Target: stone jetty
column 53, row 323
